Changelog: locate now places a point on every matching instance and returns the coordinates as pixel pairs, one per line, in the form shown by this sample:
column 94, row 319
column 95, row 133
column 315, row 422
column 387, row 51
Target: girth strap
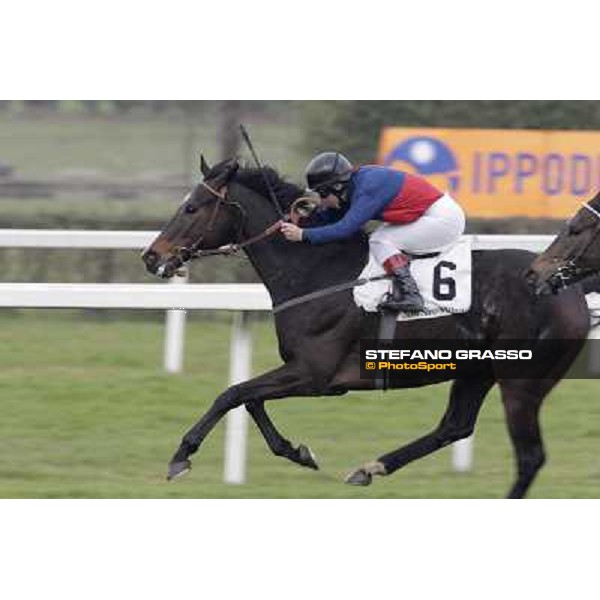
column 387, row 331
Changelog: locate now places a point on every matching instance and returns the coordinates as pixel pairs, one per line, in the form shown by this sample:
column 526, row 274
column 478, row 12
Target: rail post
column 236, row 427
column 175, row 332
column 462, row 455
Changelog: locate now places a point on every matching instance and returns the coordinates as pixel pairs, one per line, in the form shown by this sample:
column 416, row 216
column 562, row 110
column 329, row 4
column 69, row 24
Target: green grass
column 88, row 412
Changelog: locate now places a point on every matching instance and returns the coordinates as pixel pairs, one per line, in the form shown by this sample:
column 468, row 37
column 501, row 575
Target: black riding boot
column 405, row 294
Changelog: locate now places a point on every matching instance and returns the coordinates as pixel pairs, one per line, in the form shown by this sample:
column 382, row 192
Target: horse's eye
column 190, row 208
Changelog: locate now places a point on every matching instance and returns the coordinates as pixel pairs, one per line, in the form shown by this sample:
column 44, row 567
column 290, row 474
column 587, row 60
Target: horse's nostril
column 151, row 260
column 150, row 257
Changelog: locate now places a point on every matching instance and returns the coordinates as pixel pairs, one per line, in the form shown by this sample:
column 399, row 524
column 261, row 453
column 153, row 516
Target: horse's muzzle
column 164, row 270
column 150, row 259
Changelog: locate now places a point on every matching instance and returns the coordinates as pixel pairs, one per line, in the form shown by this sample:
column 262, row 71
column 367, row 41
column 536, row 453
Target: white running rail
column 177, row 298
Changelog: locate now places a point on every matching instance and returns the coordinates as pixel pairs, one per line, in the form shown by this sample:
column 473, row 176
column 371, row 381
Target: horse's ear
column 204, row 166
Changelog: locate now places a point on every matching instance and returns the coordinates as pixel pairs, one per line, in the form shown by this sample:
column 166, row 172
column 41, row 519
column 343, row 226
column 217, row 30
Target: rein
column 296, row 212
column 231, row 249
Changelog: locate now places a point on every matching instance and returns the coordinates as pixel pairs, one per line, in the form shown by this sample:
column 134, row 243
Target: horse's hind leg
column 280, row 446
column 522, row 400
column 466, row 398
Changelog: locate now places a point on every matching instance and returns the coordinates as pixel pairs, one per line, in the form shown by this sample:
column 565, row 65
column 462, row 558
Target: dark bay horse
column 319, row 339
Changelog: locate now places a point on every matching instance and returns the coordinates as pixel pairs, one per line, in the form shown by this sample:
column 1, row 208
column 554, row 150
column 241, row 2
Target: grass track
column 87, row 412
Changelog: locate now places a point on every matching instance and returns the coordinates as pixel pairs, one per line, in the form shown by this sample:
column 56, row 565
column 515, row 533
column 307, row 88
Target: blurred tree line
column 93, row 107
column 351, row 126
column 228, row 114
column 354, row 126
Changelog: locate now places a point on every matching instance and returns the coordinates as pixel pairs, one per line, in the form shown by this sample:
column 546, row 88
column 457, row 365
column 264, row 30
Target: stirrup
column 399, row 299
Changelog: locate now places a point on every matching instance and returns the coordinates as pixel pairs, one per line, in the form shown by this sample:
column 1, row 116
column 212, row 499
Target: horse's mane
column 254, row 179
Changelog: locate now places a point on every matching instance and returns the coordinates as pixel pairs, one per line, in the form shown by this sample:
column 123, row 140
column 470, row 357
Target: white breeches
column 435, row 230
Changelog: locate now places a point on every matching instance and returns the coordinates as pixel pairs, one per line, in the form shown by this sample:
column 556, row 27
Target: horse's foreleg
column 522, row 417
column 346, row 377
column 287, row 380
column 466, row 398
column 280, row 446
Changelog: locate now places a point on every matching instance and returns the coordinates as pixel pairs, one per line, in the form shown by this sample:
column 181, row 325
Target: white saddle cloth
column 444, row 282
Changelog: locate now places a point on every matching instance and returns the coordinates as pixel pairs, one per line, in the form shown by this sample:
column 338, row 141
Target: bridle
column 194, row 251
column 591, row 209
column 570, row 272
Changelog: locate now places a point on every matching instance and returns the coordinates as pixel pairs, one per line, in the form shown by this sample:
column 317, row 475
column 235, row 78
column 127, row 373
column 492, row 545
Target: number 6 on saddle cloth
column 444, row 281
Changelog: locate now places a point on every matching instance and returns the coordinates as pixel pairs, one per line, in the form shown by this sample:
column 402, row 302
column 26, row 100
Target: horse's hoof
column 359, row 477
column 364, row 475
column 177, row 469
column 306, row 457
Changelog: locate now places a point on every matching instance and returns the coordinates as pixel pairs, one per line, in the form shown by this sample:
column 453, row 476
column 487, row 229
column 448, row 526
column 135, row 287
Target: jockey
column 417, row 218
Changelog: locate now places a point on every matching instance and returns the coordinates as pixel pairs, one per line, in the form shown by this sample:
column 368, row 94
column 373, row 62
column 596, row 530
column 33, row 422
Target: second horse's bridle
column 570, row 272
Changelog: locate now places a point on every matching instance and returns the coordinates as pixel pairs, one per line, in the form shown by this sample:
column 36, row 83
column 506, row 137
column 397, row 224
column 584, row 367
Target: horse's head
column 574, row 254
column 205, row 219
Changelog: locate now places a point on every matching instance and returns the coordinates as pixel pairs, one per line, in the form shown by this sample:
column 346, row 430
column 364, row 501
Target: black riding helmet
column 329, row 173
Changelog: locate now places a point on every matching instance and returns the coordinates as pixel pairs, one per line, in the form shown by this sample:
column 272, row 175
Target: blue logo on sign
column 426, row 156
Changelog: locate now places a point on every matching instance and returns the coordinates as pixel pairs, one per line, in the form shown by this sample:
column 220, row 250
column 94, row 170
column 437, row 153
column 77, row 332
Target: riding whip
column 258, row 164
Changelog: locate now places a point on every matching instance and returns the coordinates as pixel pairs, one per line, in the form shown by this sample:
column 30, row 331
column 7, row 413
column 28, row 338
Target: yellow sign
column 501, row 173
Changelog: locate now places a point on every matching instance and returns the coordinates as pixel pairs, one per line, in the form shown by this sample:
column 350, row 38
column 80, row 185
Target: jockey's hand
column 292, row 232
